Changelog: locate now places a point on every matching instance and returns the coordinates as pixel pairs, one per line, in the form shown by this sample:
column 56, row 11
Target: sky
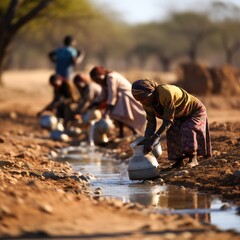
column 141, row 11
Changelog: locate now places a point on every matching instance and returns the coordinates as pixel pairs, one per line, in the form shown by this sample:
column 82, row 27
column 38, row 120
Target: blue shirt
column 64, row 61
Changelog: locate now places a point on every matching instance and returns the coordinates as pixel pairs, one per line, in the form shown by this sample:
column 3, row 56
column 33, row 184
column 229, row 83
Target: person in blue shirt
column 65, row 58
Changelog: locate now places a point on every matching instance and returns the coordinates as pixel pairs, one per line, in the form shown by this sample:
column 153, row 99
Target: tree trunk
column 229, row 56
column 166, row 63
column 5, row 41
column 1, row 80
column 193, row 55
column 9, row 28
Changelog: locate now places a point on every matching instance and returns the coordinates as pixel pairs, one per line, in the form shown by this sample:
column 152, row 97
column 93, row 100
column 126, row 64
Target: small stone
column 28, row 165
column 60, row 191
column 186, row 235
column 129, row 205
column 51, row 175
column 21, row 155
column 13, row 181
column 97, row 192
column 13, row 115
column 5, row 211
column 160, row 180
column 225, row 206
column 182, row 173
column 2, row 140
column 169, row 236
column 216, row 153
column 19, row 200
column 64, row 137
column 82, row 177
column 24, row 173
column 46, row 208
column 237, row 173
column 223, row 160
column 228, row 172
column 236, row 164
column 238, row 210
column 53, row 154
column 6, row 163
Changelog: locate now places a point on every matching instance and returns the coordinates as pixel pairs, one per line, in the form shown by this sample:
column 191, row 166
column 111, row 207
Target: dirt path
column 42, row 198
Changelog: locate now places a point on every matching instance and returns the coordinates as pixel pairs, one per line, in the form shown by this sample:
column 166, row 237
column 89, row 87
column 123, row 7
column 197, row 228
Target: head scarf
column 80, row 78
column 55, row 80
column 143, row 88
column 98, row 74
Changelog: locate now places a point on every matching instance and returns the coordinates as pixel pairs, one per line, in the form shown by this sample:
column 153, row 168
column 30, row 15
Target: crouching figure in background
column 62, row 98
column 120, row 104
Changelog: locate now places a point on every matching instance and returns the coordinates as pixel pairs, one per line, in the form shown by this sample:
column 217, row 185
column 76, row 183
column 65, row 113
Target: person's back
column 64, row 60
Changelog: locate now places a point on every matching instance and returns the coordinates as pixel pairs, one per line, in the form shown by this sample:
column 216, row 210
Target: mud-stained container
column 101, row 129
column 48, row 122
column 142, row 167
column 90, row 115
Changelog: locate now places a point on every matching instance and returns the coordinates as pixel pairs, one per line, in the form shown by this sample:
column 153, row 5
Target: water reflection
column 113, row 178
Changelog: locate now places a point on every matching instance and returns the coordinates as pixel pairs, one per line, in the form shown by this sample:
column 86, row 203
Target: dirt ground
column 41, row 198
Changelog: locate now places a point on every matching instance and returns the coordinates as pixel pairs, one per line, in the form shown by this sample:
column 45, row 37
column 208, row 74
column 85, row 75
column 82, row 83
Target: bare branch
column 10, row 12
column 29, row 16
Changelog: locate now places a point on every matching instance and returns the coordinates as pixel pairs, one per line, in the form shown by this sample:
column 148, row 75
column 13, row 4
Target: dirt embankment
column 40, row 197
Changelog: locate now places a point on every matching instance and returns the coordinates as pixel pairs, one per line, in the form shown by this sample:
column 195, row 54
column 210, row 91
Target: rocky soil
column 42, row 198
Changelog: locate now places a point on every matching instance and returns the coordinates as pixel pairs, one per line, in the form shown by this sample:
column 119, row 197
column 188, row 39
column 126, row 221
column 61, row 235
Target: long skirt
column 190, row 136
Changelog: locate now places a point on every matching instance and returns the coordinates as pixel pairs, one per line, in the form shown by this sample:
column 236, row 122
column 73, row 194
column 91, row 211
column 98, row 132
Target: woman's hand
column 108, row 110
column 148, row 143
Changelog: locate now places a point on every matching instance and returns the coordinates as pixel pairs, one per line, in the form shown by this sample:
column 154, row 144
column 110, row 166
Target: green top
column 174, row 103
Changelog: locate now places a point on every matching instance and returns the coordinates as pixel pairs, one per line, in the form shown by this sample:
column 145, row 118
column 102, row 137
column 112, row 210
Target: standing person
column 65, row 58
column 120, row 105
column 183, row 116
column 89, row 92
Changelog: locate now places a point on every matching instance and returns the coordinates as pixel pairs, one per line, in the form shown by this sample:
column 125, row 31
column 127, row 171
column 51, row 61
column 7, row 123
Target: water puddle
column 112, row 177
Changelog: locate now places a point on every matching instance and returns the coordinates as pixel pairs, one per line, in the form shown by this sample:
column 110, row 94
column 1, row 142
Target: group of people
column 136, row 106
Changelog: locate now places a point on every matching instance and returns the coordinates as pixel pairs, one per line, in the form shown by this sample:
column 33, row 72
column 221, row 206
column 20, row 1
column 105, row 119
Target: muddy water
column 112, row 177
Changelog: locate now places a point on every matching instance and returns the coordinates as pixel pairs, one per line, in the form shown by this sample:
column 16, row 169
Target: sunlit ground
column 34, row 83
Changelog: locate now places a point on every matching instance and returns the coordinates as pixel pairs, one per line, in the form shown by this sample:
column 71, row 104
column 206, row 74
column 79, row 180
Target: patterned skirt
column 189, row 136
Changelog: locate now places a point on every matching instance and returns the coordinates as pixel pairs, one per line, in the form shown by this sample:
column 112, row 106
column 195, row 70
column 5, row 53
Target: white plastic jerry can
column 142, row 167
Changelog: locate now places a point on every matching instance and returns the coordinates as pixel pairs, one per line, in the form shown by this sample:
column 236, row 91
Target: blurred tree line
column 32, row 28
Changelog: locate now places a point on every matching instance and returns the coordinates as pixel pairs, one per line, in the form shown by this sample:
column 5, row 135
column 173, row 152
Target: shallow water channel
column 112, row 177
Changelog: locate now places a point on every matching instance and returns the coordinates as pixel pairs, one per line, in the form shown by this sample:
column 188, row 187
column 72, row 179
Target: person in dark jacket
column 62, row 98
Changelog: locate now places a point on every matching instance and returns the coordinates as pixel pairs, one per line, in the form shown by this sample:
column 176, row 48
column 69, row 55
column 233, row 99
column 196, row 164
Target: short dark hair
column 52, row 79
column 68, row 40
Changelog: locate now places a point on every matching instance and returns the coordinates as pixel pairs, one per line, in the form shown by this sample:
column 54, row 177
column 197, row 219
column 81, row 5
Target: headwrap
column 143, row 88
column 98, row 74
column 80, row 78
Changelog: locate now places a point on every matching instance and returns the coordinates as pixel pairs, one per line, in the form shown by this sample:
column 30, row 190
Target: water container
column 105, row 125
column 49, row 122
column 90, row 115
column 98, row 131
column 58, row 135
column 142, row 167
column 157, row 149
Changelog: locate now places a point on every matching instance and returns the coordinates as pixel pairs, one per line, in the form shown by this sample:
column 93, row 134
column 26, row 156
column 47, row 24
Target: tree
column 14, row 15
column 230, row 38
column 157, row 39
column 227, row 20
column 194, row 27
column 80, row 18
